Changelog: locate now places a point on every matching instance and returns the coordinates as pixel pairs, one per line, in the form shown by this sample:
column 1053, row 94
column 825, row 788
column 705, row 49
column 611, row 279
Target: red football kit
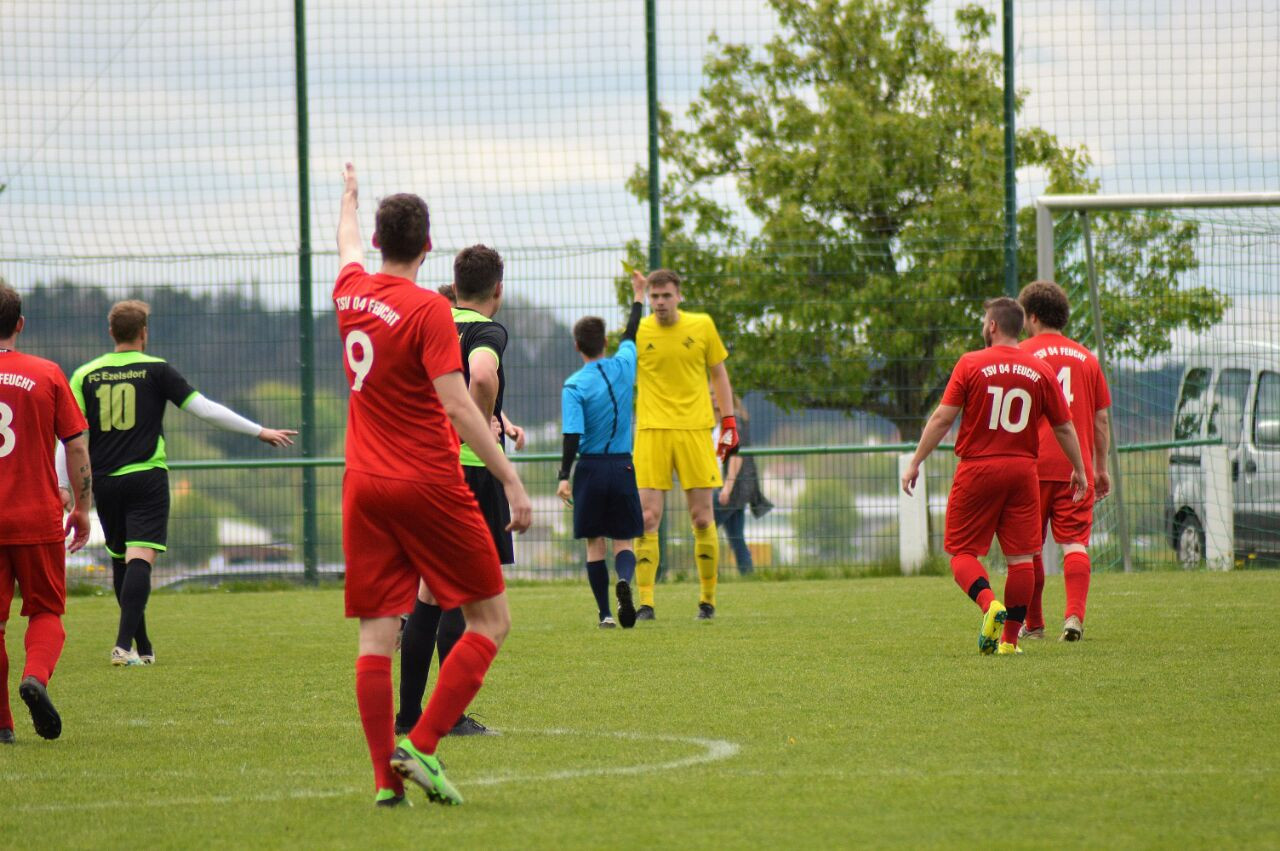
column 37, row 409
column 1004, row 393
column 406, row 509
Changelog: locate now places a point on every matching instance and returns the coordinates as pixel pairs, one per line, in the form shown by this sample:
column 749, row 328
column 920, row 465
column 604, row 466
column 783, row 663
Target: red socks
column 460, row 678
column 6, row 717
column 1035, row 610
column 373, row 697
column 971, row 576
column 1075, row 570
column 1018, row 588
column 45, row 637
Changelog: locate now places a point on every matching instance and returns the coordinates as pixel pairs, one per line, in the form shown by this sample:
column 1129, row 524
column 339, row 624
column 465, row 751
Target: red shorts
column 394, row 532
column 1072, row 521
column 994, row 497
column 41, row 573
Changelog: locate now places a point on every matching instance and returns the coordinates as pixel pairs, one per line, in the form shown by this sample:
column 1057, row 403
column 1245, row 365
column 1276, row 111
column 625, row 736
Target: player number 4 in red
column 1064, row 378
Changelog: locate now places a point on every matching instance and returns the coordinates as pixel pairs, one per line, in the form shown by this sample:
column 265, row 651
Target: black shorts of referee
column 492, row 499
column 606, row 503
column 133, row 510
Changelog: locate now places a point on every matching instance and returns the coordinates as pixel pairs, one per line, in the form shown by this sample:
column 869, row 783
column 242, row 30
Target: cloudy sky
column 138, row 130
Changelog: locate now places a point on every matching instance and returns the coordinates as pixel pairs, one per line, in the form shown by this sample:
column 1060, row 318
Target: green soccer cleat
column 390, row 798
column 426, row 771
column 992, row 626
column 1007, row 649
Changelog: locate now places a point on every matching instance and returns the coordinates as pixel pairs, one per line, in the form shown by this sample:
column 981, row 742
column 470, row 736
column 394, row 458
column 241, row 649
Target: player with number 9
column 1004, row 392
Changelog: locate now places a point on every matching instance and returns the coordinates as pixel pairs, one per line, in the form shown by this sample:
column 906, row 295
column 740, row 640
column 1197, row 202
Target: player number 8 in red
column 1002, row 409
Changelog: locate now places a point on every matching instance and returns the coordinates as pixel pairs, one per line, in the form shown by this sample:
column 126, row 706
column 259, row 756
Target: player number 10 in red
column 1002, row 409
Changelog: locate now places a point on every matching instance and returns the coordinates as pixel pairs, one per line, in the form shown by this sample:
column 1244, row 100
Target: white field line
column 712, row 750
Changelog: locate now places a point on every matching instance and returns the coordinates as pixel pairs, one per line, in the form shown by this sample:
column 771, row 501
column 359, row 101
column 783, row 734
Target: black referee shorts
column 606, row 503
column 493, row 505
column 133, row 510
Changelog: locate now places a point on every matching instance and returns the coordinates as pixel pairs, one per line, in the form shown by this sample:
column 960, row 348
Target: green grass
column 809, row 714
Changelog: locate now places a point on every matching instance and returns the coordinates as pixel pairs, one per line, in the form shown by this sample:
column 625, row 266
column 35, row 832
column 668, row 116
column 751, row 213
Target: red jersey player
column 1004, row 393
column 1085, row 387
column 36, row 411
column 407, row 512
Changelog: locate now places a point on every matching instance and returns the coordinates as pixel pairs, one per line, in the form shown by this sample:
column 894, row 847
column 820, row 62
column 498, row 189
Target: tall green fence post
column 306, row 318
column 655, row 187
column 1010, row 161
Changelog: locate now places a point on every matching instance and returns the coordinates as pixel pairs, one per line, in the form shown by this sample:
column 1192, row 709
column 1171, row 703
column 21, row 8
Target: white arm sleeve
column 221, row 416
column 60, row 465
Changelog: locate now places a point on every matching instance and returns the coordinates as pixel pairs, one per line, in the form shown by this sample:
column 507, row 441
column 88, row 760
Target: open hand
column 277, row 436
column 77, row 527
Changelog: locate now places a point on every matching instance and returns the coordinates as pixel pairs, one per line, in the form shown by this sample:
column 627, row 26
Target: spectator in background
column 741, row 491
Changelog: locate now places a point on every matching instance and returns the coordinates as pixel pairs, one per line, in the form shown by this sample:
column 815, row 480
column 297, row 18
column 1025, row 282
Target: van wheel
column 1190, row 542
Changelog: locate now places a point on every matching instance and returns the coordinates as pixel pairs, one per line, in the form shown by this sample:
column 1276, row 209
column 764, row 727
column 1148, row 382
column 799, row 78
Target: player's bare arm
column 483, row 386
column 80, row 475
column 939, row 424
column 730, row 479
column 473, row 427
column 1101, row 450
column 350, row 248
column 1070, row 443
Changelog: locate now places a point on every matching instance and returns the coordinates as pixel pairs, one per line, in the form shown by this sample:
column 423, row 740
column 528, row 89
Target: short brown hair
column 1047, row 302
column 402, row 227
column 477, row 271
column 446, row 290
column 10, row 309
column 127, row 319
column 1007, row 313
column 662, row 277
column 588, row 333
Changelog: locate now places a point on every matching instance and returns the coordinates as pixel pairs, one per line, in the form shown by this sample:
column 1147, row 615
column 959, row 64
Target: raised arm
column 1101, row 453
column 637, row 306
column 939, row 424
column 350, row 248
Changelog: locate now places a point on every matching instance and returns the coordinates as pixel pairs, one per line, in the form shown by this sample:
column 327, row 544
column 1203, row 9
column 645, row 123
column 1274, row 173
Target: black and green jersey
column 477, row 332
column 123, row 395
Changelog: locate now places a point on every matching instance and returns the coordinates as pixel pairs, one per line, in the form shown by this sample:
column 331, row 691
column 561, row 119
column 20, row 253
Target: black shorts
column 133, row 510
column 606, row 503
column 492, row 500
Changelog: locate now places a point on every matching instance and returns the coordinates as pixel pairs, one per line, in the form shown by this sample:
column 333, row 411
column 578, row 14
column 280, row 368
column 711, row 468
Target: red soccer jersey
column 1004, row 393
column 36, row 411
column 1085, row 387
column 397, row 338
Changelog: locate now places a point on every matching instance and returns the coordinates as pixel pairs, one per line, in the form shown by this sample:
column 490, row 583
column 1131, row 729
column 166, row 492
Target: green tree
column 865, row 154
column 193, row 526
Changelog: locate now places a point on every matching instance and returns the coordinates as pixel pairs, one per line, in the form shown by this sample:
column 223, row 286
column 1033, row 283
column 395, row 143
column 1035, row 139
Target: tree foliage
column 865, row 154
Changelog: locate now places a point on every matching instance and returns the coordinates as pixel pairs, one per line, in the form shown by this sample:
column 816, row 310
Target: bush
column 825, row 519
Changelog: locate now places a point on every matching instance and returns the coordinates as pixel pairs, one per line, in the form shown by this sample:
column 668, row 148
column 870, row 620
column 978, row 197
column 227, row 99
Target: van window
column 1266, row 411
column 1228, row 406
column 1186, row 422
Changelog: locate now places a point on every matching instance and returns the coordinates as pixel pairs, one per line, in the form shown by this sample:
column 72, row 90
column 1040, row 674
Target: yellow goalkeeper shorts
column 689, row 452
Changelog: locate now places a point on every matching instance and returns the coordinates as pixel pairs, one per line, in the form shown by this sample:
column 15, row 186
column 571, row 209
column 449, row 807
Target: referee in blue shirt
column 596, row 406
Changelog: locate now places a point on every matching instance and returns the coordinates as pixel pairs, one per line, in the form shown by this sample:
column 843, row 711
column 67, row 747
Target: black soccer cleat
column 6, row 736
column 468, row 726
column 645, row 613
column 47, row 721
column 706, row 611
column 626, row 608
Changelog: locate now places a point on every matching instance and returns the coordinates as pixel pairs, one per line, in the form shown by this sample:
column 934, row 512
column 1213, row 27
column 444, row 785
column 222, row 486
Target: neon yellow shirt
column 671, row 372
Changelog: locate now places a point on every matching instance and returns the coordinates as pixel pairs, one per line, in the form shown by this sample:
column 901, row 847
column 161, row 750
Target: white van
column 1230, row 391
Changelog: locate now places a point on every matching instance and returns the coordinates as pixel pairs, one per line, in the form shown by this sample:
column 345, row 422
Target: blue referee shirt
column 597, row 402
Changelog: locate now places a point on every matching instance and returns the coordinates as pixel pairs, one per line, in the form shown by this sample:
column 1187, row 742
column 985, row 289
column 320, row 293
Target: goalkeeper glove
column 728, row 438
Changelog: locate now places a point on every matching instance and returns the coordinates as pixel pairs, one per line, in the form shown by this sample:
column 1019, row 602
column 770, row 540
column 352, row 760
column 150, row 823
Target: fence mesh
column 149, row 148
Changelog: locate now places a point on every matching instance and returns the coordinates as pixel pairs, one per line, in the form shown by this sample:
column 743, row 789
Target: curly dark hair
column 1047, row 302
column 402, row 227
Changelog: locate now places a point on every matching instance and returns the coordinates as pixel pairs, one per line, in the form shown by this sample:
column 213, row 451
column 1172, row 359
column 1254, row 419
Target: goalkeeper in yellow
column 677, row 351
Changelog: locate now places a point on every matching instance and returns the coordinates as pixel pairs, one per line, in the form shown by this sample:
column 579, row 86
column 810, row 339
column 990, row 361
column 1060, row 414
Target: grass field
column 809, row 714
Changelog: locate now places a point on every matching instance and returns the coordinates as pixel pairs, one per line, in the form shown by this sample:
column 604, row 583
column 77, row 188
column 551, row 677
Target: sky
column 137, row 132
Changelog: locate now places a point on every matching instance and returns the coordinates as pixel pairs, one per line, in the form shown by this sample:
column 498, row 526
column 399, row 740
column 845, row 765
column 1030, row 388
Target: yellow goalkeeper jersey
column 671, row 372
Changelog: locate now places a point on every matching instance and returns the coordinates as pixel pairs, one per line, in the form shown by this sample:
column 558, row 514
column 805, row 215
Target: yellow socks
column 647, row 566
column 706, row 552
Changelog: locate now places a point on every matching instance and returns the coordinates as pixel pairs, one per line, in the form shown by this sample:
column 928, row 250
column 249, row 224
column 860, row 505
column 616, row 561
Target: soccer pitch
column 808, row 714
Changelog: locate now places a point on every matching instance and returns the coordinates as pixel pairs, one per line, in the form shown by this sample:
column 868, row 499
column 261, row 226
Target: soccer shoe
column 121, row 658
column 992, row 626
column 626, row 608
column 6, row 736
column 44, row 717
column 426, row 771
column 645, row 613
column 1072, row 630
column 146, row 658
column 1034, row 634
column 706, row 612
column 468, row 726
column 1006, row 649
column 389, row 798
column 608, row 623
